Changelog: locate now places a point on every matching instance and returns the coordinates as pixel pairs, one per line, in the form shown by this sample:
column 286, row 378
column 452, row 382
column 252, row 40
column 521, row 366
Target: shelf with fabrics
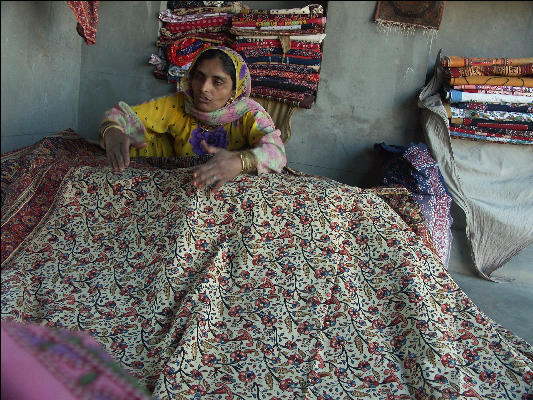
column 477, row 118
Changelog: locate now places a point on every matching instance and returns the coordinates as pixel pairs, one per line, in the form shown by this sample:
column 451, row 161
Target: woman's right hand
column 117, row 145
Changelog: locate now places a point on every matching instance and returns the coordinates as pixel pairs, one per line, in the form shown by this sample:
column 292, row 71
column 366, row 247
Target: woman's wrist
column 248, row 162
column 106, row 130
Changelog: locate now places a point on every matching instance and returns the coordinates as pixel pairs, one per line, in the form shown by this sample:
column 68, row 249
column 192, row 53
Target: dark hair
column 227, row 63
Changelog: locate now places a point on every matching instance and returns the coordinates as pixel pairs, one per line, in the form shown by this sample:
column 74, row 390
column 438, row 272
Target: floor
column 511, row 303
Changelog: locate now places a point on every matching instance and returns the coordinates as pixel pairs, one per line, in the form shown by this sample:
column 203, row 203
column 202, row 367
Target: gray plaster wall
column 41, row 59
column 52, row 80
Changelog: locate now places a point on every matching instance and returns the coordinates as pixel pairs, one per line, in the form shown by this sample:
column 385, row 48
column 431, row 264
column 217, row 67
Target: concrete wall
column 367, row 93
column 41, row 60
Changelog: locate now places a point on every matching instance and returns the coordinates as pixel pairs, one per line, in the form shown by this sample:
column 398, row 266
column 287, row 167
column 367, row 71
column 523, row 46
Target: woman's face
column 211, row 85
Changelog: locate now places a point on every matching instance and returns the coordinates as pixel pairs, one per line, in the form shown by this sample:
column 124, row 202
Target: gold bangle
column 247, row 161
column 103, row 133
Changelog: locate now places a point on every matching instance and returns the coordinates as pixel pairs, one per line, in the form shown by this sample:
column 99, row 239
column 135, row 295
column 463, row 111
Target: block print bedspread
column 276, row 287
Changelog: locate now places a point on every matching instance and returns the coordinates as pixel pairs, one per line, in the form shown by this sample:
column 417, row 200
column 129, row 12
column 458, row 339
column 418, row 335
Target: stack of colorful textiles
column 186, row 30
column 489, row 99
column 283, row 50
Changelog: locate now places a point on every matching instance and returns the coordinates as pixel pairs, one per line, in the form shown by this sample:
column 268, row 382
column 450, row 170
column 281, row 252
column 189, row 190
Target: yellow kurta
column 169, row 128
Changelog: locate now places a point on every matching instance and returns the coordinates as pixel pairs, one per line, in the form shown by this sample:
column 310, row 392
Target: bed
column 280, row 286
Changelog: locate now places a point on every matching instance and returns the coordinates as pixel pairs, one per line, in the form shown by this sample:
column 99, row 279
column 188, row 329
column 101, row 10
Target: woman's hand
column 117, row 145
column 223, row 167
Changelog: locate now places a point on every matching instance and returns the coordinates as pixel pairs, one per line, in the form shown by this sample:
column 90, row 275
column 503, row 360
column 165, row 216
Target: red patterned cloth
column 86, row 13
column 177, row 27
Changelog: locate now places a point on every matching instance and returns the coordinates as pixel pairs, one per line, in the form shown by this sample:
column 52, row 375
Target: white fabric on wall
column 491, row 182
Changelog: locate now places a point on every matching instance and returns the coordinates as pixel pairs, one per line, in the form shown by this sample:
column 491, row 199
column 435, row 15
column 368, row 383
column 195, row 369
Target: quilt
column 279, row 286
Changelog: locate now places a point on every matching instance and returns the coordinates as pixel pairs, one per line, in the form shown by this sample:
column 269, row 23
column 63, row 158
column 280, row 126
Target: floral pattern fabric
column 278, row 286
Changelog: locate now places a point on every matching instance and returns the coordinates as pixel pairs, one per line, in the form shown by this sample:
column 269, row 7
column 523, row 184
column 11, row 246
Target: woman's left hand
column 222, row 168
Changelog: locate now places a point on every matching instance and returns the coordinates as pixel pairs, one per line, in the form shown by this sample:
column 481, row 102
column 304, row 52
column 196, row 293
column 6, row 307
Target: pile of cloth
column 489, row 99
column 283, row 50
column 187, row 28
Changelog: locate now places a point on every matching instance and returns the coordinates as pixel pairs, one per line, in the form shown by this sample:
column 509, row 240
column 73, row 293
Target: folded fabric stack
column 283, row 50
column 489, row 99
column 187, row 28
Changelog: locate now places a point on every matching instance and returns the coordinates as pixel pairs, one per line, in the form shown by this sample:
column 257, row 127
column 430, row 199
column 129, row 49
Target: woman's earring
column 231, row 99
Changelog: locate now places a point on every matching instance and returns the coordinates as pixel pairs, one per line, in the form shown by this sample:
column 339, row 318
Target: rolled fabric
column 455, row 61
column 457, row 96
column 492, row 80
column 488, row 115
column 489, row 70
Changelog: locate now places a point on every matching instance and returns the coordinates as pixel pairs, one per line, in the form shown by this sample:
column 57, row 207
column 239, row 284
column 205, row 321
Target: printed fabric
column 483, row 70
column 456, row 61
column 457, row 96
column 454, row 112
column 279, row 286
column 86, row 13
column 492, row 81
column 491, row 135
column 413, row 167
column 520, row 91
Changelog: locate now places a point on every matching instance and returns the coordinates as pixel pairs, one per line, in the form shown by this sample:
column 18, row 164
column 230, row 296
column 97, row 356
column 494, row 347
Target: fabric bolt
column 492, row 81
column 457, row 96
column 413, row 167
column 486, row 138
column 173, row 27
column 490, row 115
column 275, row 51
column 511, row 93
column 176, row 5
column 522, row 134
column 166, row 34
column 86, row 13
column 521, row 90
column 282, row 29
column 311, row 38
column 233, row 7
column 456, row 61
column 302, row 100
column 62, row 364
column 485, row 123
column 311, row 9
column 304, row 30
column 221, row 38
column 495, row 107
column 275, row 22
column 168, row 16
column 242, row 44
column 286, row 286
column 285, row 71
column 501, row 136
column 489, row 70
column 284, row 84
column 485, row 181
column 288, row 59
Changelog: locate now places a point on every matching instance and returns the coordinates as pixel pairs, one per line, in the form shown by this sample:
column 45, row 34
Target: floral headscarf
column 235, row 110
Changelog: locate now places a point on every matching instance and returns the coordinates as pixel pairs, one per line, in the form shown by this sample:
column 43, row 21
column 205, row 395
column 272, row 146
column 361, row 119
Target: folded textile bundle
column 188, row 28
column 489, row 99
column 283, row 50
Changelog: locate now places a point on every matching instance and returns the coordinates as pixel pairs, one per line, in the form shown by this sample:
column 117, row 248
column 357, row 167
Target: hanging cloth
column 86, row 13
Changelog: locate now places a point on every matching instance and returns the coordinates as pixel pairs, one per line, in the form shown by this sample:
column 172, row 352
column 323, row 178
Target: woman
column 211, row 114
